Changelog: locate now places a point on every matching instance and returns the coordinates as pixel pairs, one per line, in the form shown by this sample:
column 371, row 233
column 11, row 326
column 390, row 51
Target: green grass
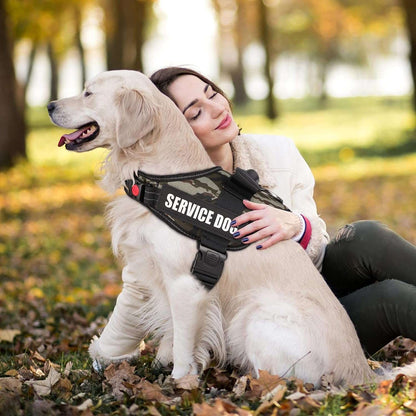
column 343, row 122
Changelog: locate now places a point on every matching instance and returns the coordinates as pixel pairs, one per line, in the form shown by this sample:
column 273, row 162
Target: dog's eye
column 87, row 93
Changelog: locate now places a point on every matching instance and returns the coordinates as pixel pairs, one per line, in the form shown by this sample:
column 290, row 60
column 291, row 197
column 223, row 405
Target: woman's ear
column 135, row 117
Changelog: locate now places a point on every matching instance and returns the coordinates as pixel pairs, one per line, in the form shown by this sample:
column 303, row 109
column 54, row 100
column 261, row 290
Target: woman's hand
column 266, row 222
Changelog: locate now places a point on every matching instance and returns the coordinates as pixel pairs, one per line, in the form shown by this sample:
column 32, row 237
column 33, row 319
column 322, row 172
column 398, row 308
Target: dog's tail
column 408, row 370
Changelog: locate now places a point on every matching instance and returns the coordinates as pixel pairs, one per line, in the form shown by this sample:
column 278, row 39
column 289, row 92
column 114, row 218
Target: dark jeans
column 372, row 271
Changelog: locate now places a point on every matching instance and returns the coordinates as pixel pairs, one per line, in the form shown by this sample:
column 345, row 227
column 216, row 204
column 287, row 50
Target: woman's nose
column 217, row 109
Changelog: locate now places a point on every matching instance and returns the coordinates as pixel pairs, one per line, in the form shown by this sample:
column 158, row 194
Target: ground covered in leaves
column 59, row 282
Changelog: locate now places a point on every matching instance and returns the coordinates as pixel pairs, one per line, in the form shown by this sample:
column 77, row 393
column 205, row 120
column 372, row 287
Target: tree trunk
column 271, row 108
column 28, row 76
column 13, row 129
column 125, row 33
column 135, row 17
column 53, row 65
column 80, row 46
column 237, row 73
column 142, row 12
column 231, row 45
column 114, row 34
column 323, row 67
column 409, row 7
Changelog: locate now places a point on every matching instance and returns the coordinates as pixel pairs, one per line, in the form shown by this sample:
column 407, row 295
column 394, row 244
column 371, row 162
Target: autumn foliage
column 59, row 281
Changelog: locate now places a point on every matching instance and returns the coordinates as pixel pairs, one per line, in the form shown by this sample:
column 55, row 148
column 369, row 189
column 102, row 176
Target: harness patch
column 194, row 210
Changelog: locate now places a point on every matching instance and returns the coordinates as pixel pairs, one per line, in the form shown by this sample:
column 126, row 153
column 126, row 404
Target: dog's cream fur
column 271, row 309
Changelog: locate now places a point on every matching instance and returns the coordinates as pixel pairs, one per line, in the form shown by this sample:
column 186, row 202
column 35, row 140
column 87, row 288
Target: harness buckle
column 208, row 265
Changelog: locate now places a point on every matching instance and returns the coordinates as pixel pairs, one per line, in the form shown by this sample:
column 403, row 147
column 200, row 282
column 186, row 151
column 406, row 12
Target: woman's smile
column 225, row 122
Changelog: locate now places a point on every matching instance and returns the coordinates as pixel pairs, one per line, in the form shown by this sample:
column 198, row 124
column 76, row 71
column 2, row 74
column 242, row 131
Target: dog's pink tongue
column 71, row 136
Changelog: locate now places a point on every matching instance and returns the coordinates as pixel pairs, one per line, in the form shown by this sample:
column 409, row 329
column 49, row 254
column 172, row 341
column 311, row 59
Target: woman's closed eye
column 196, row 115
column 210, row 95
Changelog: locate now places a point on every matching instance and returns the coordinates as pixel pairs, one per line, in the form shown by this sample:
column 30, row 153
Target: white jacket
column 283, row 171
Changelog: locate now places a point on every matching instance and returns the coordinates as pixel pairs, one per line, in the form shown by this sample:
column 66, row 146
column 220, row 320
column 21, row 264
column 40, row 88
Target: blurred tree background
column 323, row 33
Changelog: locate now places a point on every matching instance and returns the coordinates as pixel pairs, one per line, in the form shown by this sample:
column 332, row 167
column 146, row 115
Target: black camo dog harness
column 202, row 205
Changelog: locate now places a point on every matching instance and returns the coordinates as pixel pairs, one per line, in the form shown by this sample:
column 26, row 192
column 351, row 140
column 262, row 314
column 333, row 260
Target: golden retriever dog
column 271, row 310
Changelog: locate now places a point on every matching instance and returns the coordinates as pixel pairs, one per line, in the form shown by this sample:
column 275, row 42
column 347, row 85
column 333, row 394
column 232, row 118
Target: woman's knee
column 365, row 231
column 355, row 257
column 365, row 243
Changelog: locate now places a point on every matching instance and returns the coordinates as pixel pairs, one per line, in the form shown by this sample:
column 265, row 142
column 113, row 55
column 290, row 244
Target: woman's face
column 207, row 112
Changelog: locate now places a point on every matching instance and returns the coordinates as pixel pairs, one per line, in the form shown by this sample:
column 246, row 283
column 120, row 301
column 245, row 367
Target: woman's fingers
column 253, row 205
column 273, row 239
column 266, row 223
column 257, row 212
column 250, row 228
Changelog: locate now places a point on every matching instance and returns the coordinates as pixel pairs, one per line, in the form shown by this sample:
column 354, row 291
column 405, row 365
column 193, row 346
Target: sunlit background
column 186, row 33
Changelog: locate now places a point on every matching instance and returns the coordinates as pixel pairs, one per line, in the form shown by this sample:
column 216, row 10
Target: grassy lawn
column 59, row 279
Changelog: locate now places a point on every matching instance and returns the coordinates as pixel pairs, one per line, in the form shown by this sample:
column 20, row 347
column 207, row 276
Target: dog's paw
column 183, row 370
column 164, row 356
column 179, row 372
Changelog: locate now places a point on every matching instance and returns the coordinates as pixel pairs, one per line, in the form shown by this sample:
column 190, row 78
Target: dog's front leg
column 131, row 319
column 186, row 298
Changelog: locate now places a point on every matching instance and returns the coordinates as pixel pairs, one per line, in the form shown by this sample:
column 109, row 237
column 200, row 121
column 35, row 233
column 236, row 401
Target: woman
column 371, row 269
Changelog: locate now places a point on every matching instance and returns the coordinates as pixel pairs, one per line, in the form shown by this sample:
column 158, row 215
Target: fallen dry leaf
column 384, row 387
column 307, row 404
column 240, row 386
column 8, row 334
column 371, row 411
column 188, row 382
column 220, row 379
column 63, row 388
column 118, row 376
column 11, row 373
column 361, row 396
column 152, row 411
column 150, row 391
column 44, row 387
column 68, row 369
column 277, row 394
column 85, row 405
column 263, row 385
column 38, row 357
column 411, row 404
column 10, row 385
column 220, row 408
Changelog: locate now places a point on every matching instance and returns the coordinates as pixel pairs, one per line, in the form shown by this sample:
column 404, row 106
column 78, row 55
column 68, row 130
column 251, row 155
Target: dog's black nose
column 51, row 106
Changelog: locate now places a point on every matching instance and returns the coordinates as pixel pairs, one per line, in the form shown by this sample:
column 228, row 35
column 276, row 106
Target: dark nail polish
column 233, row 222
column 259, row 247
column 236, row 234
column 244, row 240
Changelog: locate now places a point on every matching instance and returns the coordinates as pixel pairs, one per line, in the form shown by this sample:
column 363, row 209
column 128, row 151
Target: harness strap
column 212, row 250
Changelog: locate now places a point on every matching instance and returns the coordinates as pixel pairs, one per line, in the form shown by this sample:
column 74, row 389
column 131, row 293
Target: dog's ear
column 135, row 117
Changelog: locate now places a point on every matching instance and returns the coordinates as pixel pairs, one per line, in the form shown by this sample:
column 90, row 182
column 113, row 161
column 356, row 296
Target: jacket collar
column 247, row 155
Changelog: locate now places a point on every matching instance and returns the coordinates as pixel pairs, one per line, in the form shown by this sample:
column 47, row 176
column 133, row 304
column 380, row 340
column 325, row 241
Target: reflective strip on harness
column 200, row 213
column 201, row 205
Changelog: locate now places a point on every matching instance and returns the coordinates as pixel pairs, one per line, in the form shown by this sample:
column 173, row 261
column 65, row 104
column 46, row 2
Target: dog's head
column 116, row 108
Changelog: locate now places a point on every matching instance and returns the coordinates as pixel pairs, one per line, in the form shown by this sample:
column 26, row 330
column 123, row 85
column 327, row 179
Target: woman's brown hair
column 165, row 76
